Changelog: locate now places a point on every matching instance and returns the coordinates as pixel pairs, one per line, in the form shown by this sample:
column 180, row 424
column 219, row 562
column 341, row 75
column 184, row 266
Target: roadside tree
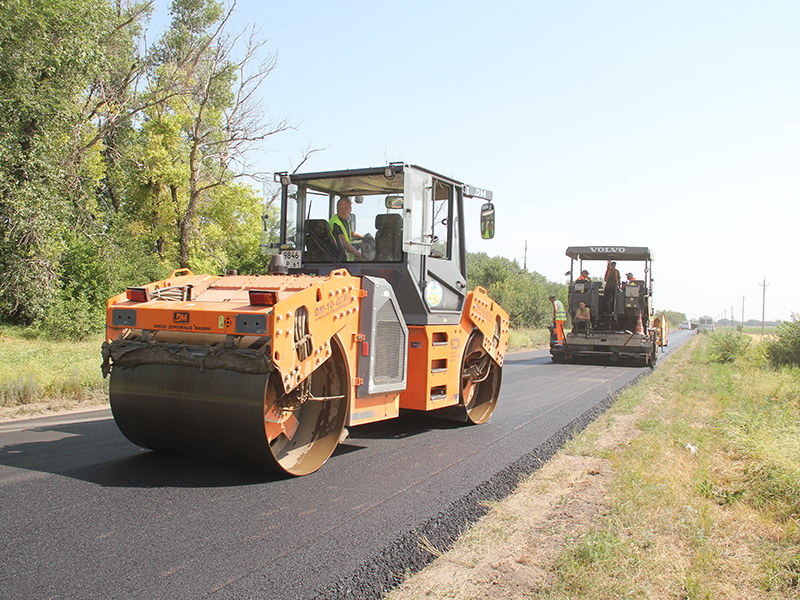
column 198, row 138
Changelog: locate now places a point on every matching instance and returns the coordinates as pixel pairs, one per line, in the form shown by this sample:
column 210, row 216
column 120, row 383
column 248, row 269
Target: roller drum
column 241, row 417
column 179, row 409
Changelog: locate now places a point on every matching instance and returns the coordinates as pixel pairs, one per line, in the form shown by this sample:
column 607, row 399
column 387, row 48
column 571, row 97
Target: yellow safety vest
column 335, row 220
column 561, row 314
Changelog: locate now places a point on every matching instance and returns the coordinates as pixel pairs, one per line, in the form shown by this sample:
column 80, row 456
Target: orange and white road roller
column 270, row 370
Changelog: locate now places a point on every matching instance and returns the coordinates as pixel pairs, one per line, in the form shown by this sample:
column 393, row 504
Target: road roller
column 364, row 311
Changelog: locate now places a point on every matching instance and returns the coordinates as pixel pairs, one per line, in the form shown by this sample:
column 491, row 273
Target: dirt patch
column 509, row 553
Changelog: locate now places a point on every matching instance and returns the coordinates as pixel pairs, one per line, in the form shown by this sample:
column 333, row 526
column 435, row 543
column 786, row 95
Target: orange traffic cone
column 639, row 326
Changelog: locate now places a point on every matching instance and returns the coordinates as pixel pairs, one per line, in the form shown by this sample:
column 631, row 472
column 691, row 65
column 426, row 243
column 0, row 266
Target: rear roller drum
column 480, row 381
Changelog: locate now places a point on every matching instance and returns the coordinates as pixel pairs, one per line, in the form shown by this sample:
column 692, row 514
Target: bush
column 785, row 348
column 728, row 345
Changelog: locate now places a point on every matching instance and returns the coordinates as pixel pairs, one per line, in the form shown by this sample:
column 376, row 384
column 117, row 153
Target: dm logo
column 180, row 317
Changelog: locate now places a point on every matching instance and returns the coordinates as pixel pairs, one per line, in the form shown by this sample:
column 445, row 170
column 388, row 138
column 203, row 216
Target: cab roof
column 354, row 181
column 609, row 253
column 374, row 180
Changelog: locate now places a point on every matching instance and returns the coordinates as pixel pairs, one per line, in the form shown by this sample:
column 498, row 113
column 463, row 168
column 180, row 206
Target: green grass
column 527, row 339
column 768, row 330
column 37, row 370
column 723, row 522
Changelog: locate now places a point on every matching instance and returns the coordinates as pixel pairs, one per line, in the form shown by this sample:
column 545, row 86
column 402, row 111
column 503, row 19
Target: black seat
column 389, row 237
column 320, row 244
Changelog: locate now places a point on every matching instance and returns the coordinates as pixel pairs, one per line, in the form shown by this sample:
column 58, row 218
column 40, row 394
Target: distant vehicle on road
column 705, row 324
column 685, row 325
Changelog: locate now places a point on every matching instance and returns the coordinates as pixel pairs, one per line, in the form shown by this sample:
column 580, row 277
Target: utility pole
column 743, row 299
column 763, row 303
column 733, row 319
column 525, row 258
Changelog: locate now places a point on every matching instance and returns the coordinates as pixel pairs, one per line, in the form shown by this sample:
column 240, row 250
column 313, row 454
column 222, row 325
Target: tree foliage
column 524, row 295
column 49, row 56
column 674, row 318
column 119, row 162
column 203, row 115
column 784, row 349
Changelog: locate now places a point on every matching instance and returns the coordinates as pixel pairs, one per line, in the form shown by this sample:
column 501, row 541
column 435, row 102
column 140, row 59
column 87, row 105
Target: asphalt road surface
column 86, row 514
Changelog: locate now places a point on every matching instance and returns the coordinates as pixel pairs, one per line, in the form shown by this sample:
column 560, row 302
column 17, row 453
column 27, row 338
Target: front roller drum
column 244, row 418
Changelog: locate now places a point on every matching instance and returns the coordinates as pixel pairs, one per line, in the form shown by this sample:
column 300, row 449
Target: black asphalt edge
column 405, row 555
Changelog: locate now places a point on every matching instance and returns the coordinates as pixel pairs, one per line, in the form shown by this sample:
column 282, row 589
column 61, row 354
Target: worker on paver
column 559, row 318
column 582, row 318
column 612, row 285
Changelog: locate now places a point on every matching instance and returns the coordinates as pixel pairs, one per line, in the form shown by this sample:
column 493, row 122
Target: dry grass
column 39, row 376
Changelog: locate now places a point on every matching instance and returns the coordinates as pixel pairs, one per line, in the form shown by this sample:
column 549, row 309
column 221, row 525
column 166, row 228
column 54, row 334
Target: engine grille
column 389, row 341
column 383, row 359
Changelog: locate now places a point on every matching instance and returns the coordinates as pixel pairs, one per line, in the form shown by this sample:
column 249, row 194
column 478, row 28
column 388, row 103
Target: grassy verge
column 768, row 330
column 528, row 339
column 696, row 496
column 38, row 375
column 706, row 503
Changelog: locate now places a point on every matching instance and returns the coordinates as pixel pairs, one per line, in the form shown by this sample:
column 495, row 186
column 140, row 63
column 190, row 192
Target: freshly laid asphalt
column 86, row 514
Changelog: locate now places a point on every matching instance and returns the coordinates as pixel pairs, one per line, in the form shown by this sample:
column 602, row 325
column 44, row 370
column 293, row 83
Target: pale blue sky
column 672, row 125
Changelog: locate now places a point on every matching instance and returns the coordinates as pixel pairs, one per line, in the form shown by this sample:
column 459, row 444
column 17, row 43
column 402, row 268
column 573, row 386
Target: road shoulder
column 509, row 553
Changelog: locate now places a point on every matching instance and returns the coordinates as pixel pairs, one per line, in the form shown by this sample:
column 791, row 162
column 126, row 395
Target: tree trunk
column 184, row 229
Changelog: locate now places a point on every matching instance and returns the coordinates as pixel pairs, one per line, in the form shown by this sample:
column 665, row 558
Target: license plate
column 292, row 258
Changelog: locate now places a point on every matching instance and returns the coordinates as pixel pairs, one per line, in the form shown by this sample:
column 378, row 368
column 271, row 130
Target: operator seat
column 320, row 245
column 589, row 292
column 389, row 237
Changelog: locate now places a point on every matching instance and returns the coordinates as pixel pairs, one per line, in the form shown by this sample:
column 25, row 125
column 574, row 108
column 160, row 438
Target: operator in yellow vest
column 339, row 225
column 559, row 318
